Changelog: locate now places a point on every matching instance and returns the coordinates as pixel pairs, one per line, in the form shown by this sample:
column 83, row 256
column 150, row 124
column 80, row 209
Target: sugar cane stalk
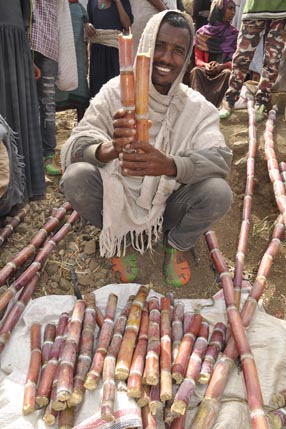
column 127, row 85
column 277, row 418
column 134, row 381
column 85, row 351
column 180, row 365
column 153, row 348
column 49, row 338
column 68, row 357
column 166, row 351
column 108, row 373
column 216, row 344
column 177, row 329
column 148, row 420
column 39, row 261
column 142, row 97
column 127, row 347
column 186, row 389
column 13, row 316
column 48, row 374
column 105, row 335
column 155, row 403
column 35, row 243
column 66, row 418
column 247, row 204
column 9, row 228
column 29, row 402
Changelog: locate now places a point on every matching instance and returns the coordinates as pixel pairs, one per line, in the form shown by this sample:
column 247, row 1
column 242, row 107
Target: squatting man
column 175, row 184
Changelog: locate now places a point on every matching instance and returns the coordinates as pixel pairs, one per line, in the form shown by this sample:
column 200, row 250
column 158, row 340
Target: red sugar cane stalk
column 9, row 228
column 105, row 335
column 39, row 261
column 68, row 356
column 48, row 374
column 108, row 372
column 247, row 204
column 134, row 382
column 13, row 316
column 166, row 351
column 216, row 344
column 35, row 243
column 29, row 401
column 85, row 351
column 186, row 389
column 177, row 330
column 49, row 338
column 127, row 347
column 153, row 348
column 192, row 327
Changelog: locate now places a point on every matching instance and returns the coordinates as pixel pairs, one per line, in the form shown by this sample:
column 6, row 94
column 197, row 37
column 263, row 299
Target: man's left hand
column 145, row 160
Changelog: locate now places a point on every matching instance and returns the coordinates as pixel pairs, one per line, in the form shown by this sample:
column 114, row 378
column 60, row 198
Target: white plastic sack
column 67, row 78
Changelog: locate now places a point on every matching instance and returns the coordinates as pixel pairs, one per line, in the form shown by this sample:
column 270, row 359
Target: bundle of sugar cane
column 14, row 314
column 166, row 351
column 186, row 389
column 48, row 374
column 39, row 261
column 134, row 382
column 29, row 401
column 108, row 372
column 85, row 351
column 247, row 203
column 127, row 347
column 9, row 228
column 68, row 357
column 177, row 329
column 209, row 407
column 192, row 326
column 35, row 243
column 215, row 346
column 152, row 367
column 105, row 335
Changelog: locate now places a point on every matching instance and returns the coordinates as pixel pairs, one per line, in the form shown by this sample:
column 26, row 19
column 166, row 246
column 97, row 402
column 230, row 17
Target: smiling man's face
column 171, row 49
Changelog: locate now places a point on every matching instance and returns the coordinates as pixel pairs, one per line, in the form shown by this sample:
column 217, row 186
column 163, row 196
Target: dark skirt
column 104, row 65
column 19, row 104
column 212, row 87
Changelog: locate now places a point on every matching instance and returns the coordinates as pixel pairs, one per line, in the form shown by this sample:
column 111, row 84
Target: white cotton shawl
column 134, row 206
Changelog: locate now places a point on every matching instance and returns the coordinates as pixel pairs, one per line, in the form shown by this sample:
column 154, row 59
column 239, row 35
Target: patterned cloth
column 264, row 9
column 44, row 37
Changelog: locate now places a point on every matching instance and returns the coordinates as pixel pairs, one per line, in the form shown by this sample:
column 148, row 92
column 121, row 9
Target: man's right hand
column 124, row 131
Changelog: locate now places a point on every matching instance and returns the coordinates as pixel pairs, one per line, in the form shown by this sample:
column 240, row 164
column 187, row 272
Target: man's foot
column 51, row 167
column 176, row 269
column 259, row 112
column 225, row 110
column 125, row 267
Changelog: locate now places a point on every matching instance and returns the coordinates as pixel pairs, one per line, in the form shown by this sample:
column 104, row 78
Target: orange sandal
column 125, row 267
column 176, row 270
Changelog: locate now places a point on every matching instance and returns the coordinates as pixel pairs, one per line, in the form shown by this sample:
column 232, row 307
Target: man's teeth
column 163, row 69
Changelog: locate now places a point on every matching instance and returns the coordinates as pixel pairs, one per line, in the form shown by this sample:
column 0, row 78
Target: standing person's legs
column 46, row 86
column 274, row 46
column 248, row 39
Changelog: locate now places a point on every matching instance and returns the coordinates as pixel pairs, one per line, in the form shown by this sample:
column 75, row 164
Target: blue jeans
column 46, row 87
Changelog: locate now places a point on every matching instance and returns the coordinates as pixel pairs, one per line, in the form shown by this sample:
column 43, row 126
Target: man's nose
column 167, row 56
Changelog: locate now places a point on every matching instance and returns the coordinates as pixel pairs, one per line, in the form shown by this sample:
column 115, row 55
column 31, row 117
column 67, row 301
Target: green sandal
column 51, row 168
column 126, row 267
column 176, row 270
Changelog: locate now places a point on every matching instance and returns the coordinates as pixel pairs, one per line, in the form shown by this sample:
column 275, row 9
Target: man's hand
column 147, row 161
column 89, row 29
column 123, row 131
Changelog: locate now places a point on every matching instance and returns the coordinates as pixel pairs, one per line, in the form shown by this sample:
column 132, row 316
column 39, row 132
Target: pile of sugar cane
column 156, row 347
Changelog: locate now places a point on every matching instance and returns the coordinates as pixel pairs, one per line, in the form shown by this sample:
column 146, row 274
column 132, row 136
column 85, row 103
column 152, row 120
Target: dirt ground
column 79, row 249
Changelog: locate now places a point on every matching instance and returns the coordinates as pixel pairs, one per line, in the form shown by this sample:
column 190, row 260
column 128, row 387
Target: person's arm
column 158, row 4
column 201, row 57
column 123, row 15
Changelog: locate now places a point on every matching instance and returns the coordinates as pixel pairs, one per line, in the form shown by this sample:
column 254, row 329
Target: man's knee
column 76, row 180
column 219, row 196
